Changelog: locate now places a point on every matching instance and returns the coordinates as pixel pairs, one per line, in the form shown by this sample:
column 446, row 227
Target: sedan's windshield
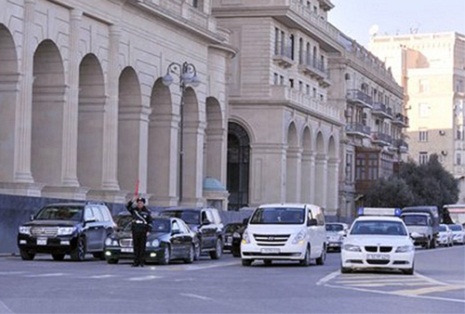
column 334, row 227
column 280, row 215
column 60, row 213
column 455, row 227
column 378, row 227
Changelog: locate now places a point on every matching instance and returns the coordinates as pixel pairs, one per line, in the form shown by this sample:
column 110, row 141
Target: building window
column 291, row 83
column 301, row 86
column 423, row 158
column 458, row 158
column 276, row 42
column 423, row 86
column 459, row 88
column 423, row 136
column 348, row 170
column 281, row 80
column 314, row 92
column 424, row 110
column 307, row 89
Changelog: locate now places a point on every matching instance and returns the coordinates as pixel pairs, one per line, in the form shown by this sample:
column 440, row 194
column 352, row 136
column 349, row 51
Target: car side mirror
column 205, row 222
column 245, row 221
column 90, row 219
column 312, row 222
column 31, row 217
column 175, row 232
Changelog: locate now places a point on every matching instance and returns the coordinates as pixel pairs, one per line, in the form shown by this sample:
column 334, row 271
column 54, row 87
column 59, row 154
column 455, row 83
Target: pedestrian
column 141, row 226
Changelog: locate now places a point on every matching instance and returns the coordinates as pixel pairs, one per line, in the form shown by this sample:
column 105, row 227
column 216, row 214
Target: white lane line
column 328, row 278
column 46, row 275
column 102, row 276
column 4, row 308
column 195, row 296
column 143, row 278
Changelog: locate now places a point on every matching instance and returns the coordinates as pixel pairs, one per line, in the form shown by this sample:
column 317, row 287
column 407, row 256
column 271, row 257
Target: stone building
column 85, row 113
column 431, row 69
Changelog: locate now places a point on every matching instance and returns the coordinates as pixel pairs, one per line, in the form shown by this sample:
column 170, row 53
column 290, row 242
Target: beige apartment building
column 431, row 69
column 373, row 141
column 85, row 113
column 268, row 102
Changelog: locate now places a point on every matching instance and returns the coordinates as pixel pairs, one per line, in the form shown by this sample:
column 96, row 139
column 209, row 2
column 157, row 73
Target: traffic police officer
column 141, row 226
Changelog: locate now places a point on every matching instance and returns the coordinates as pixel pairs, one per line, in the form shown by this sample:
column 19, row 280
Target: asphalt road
column 225, row 286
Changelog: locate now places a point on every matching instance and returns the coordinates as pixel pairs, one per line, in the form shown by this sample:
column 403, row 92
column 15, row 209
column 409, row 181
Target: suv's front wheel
column 26, row 256
column 216, row 254
column 79, row 252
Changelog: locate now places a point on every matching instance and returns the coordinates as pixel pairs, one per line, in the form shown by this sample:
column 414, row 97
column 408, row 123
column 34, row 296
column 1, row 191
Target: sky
column 356, row 18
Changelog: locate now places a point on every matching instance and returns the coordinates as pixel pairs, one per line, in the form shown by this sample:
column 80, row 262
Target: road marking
column 195, row 296
column 416, row 292
column 143, row 278
column 46, row 275
column 102, row 276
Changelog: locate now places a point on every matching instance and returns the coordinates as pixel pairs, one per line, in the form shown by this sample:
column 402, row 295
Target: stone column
column 321, row 173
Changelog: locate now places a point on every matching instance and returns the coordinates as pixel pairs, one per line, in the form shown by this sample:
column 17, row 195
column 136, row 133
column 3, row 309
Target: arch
column 293, row 163
column 91, row 119
column 163, row 150
column 238, row 169
column 9, row 79
column 129, row 103
column 47, row 126
column 215, row 138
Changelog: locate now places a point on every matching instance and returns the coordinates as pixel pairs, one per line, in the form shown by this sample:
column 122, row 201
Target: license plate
column 378, row 256
column 269, row 250
column 127, row 250
column 42, row 241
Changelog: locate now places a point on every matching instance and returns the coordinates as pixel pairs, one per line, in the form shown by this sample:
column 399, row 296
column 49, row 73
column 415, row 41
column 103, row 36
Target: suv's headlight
column 405, row 248
column 65, row 230
column 236, row 235
column 299, row 237
column 245, row 237
column 25, row 230
column 111, row 242
column 351, row 248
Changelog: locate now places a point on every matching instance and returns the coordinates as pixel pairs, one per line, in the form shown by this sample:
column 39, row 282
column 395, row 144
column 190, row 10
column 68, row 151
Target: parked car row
column 79, row 228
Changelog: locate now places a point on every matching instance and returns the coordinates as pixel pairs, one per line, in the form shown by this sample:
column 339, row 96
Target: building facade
column 85, row 113
column 373, row 141
column 431, row 68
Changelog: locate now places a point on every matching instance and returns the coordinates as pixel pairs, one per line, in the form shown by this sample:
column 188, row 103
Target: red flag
column 136, row 190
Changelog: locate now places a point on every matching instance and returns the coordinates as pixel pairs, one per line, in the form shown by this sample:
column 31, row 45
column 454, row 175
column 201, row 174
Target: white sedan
column 445, row 235
column 458, row 234
column 378, row 243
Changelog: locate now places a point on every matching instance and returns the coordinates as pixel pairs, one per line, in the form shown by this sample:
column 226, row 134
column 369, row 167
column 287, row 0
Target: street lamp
column 187, row 75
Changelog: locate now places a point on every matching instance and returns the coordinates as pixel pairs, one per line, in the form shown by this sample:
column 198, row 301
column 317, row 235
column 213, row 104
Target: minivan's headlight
column 405, row 248
column 25, row 230
column 245, row 237
column 351, row 248
column 65, row 230
column 299, row 238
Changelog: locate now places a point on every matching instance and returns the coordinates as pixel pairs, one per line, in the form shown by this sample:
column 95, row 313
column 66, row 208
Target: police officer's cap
column 140, row 199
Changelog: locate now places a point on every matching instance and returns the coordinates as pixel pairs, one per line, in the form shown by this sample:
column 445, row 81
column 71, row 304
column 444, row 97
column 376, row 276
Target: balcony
column 359, row 98
column 283, row 56
column 358, row 129
column 401, row 120
column 381, row 138
column 401, row 145
column 380, row 110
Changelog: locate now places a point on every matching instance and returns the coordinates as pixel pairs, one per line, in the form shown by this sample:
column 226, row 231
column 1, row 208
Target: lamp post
column 187, row 75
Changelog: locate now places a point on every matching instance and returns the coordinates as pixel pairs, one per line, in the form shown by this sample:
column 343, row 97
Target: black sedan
column 229, row 231
column 170, row 239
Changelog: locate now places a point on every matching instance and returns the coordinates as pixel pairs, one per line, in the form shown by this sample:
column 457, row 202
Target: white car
column 378, row 243
column 335, row 233
column 458, row 233
column 445, row 235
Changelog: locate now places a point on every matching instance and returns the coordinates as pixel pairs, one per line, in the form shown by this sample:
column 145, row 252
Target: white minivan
column 285, row 232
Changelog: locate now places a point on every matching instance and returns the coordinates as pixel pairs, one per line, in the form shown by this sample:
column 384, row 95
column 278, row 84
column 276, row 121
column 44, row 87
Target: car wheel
column 268, row 262
column 321, row 260
column 345, row 270
column 306, row 260
column 79, row 252
column 190, row 258
column 112, row 261
column 58, row 257
column 166, row 256
column 408, row 271
column 216, row 254
column 26, row 256
column 247, row 262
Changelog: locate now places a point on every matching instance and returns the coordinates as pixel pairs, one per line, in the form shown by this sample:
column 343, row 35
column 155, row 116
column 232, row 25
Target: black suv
column 66, row 228
column 206, row 222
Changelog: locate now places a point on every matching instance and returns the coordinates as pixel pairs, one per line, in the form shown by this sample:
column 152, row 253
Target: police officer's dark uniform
column 141, row 224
